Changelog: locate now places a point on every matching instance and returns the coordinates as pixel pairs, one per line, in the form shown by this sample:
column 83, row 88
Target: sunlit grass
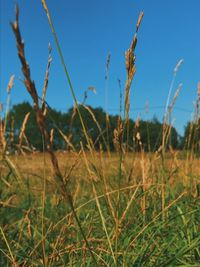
column 92, row 207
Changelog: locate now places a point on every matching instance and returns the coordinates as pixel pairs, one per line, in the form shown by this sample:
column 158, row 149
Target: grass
column 97, row 208
column 143, row 238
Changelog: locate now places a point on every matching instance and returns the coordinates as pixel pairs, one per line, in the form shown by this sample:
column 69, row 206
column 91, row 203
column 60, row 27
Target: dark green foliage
column 69, row 124
column 18, row 113
column 191, row 139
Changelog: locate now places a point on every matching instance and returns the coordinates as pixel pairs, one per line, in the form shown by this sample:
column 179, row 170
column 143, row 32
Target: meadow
column 97, row 207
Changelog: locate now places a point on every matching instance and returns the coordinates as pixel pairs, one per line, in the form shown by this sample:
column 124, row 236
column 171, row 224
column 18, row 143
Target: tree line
column 100, row 127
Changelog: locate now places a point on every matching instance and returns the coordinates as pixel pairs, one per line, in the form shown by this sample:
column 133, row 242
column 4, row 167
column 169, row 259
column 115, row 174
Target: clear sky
column 87, row 31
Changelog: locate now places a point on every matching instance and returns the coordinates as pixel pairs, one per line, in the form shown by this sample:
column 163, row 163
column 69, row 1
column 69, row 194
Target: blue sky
column 87, row 31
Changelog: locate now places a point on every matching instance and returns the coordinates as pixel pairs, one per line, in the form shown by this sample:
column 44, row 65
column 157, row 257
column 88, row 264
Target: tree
column 191, row 138
column 95, row 122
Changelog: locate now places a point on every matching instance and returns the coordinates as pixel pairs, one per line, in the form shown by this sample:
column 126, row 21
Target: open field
column 134, row 166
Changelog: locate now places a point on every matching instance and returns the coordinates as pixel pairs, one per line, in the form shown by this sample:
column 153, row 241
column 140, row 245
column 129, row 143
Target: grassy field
column 97, row 208
column 151, row 219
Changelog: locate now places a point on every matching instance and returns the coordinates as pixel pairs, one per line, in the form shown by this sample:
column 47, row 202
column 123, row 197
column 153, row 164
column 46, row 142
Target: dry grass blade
column 22, row 131
column 96, row 122
column 173, row 102
column 51, row 136
column 180, row 62
column 2, row 138
column 8, row 201
column 67, row 139
column 73, row 166
column 9, row 87
column 178, row 65
column 107, row 65
column 167, row 125
column 10, row 84
column 118, row 135
column 46, row 81
column 139, row 20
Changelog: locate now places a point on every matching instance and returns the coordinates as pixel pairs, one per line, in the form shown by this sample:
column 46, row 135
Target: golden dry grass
column 134, row 166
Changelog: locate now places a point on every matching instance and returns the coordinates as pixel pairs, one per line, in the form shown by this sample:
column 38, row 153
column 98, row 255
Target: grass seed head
column 10, row 84
column 180, row 62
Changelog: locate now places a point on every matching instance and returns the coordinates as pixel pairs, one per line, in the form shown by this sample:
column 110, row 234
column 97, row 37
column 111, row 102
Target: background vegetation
column 69, row 123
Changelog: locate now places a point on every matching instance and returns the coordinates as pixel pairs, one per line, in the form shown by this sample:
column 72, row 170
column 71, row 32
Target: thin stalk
column 81, row 230
column 103, row 224
column 118, row 198
column 8, row 246
column 43, row 205
column 106, row 102
column 7, row 111
column 107, row 133
column 67, row 74
column 127, row 134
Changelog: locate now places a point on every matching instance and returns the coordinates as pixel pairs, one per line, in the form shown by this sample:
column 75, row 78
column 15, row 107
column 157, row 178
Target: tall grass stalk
column 130, row 70
column 166, row 132
column 43, row 206
column 9, row 87
column 106, row 101
column 67, row 74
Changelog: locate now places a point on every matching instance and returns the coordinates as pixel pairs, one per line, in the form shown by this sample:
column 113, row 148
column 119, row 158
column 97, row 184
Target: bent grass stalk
column 97, row 124
column 22, row 131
